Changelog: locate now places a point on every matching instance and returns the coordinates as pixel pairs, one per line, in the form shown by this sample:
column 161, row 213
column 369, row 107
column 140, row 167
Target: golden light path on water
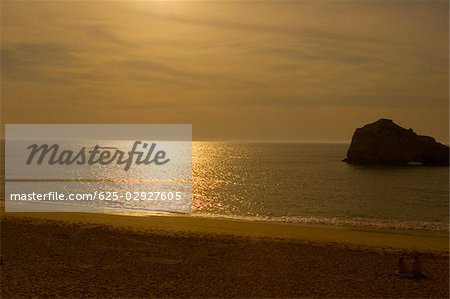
column 308, row 183
column 288, row 182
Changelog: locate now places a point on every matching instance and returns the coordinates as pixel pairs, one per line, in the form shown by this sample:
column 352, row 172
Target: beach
column 100, row 255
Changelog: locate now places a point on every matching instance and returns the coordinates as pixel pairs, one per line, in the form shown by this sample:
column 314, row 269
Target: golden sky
column 236, row 70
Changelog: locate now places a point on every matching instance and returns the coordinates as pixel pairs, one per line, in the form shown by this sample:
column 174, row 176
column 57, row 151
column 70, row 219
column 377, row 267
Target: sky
column 236, row 70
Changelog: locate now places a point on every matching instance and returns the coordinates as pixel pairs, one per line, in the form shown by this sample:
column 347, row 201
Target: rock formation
column 384, row 142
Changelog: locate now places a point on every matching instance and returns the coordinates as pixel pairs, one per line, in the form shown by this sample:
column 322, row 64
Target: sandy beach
column 96, row 255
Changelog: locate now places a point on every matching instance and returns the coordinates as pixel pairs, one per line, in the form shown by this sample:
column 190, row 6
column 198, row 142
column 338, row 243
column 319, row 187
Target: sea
column 307, row 183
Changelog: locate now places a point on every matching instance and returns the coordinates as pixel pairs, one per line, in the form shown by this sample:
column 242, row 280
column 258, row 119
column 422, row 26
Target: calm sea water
column 308, row 184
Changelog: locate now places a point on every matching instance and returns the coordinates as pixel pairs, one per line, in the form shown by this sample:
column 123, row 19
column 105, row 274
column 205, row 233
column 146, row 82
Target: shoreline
column 393, row 240
column 104, row 256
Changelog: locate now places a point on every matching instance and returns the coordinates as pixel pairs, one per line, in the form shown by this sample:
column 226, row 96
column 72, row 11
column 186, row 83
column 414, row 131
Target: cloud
column 325, row 55
column 37, row 61
column 105, row 33
column 207, row 56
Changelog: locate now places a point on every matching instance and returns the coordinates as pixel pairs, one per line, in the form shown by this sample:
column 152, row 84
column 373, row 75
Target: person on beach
column 401, row 267
column 416, row 267
column 414, row 272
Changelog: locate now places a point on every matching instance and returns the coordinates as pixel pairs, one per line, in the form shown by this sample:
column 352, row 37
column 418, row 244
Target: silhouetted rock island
column 384, row 142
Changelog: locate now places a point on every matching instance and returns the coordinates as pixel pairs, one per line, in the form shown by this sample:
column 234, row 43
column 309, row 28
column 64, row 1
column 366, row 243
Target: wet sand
column 78, row 255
